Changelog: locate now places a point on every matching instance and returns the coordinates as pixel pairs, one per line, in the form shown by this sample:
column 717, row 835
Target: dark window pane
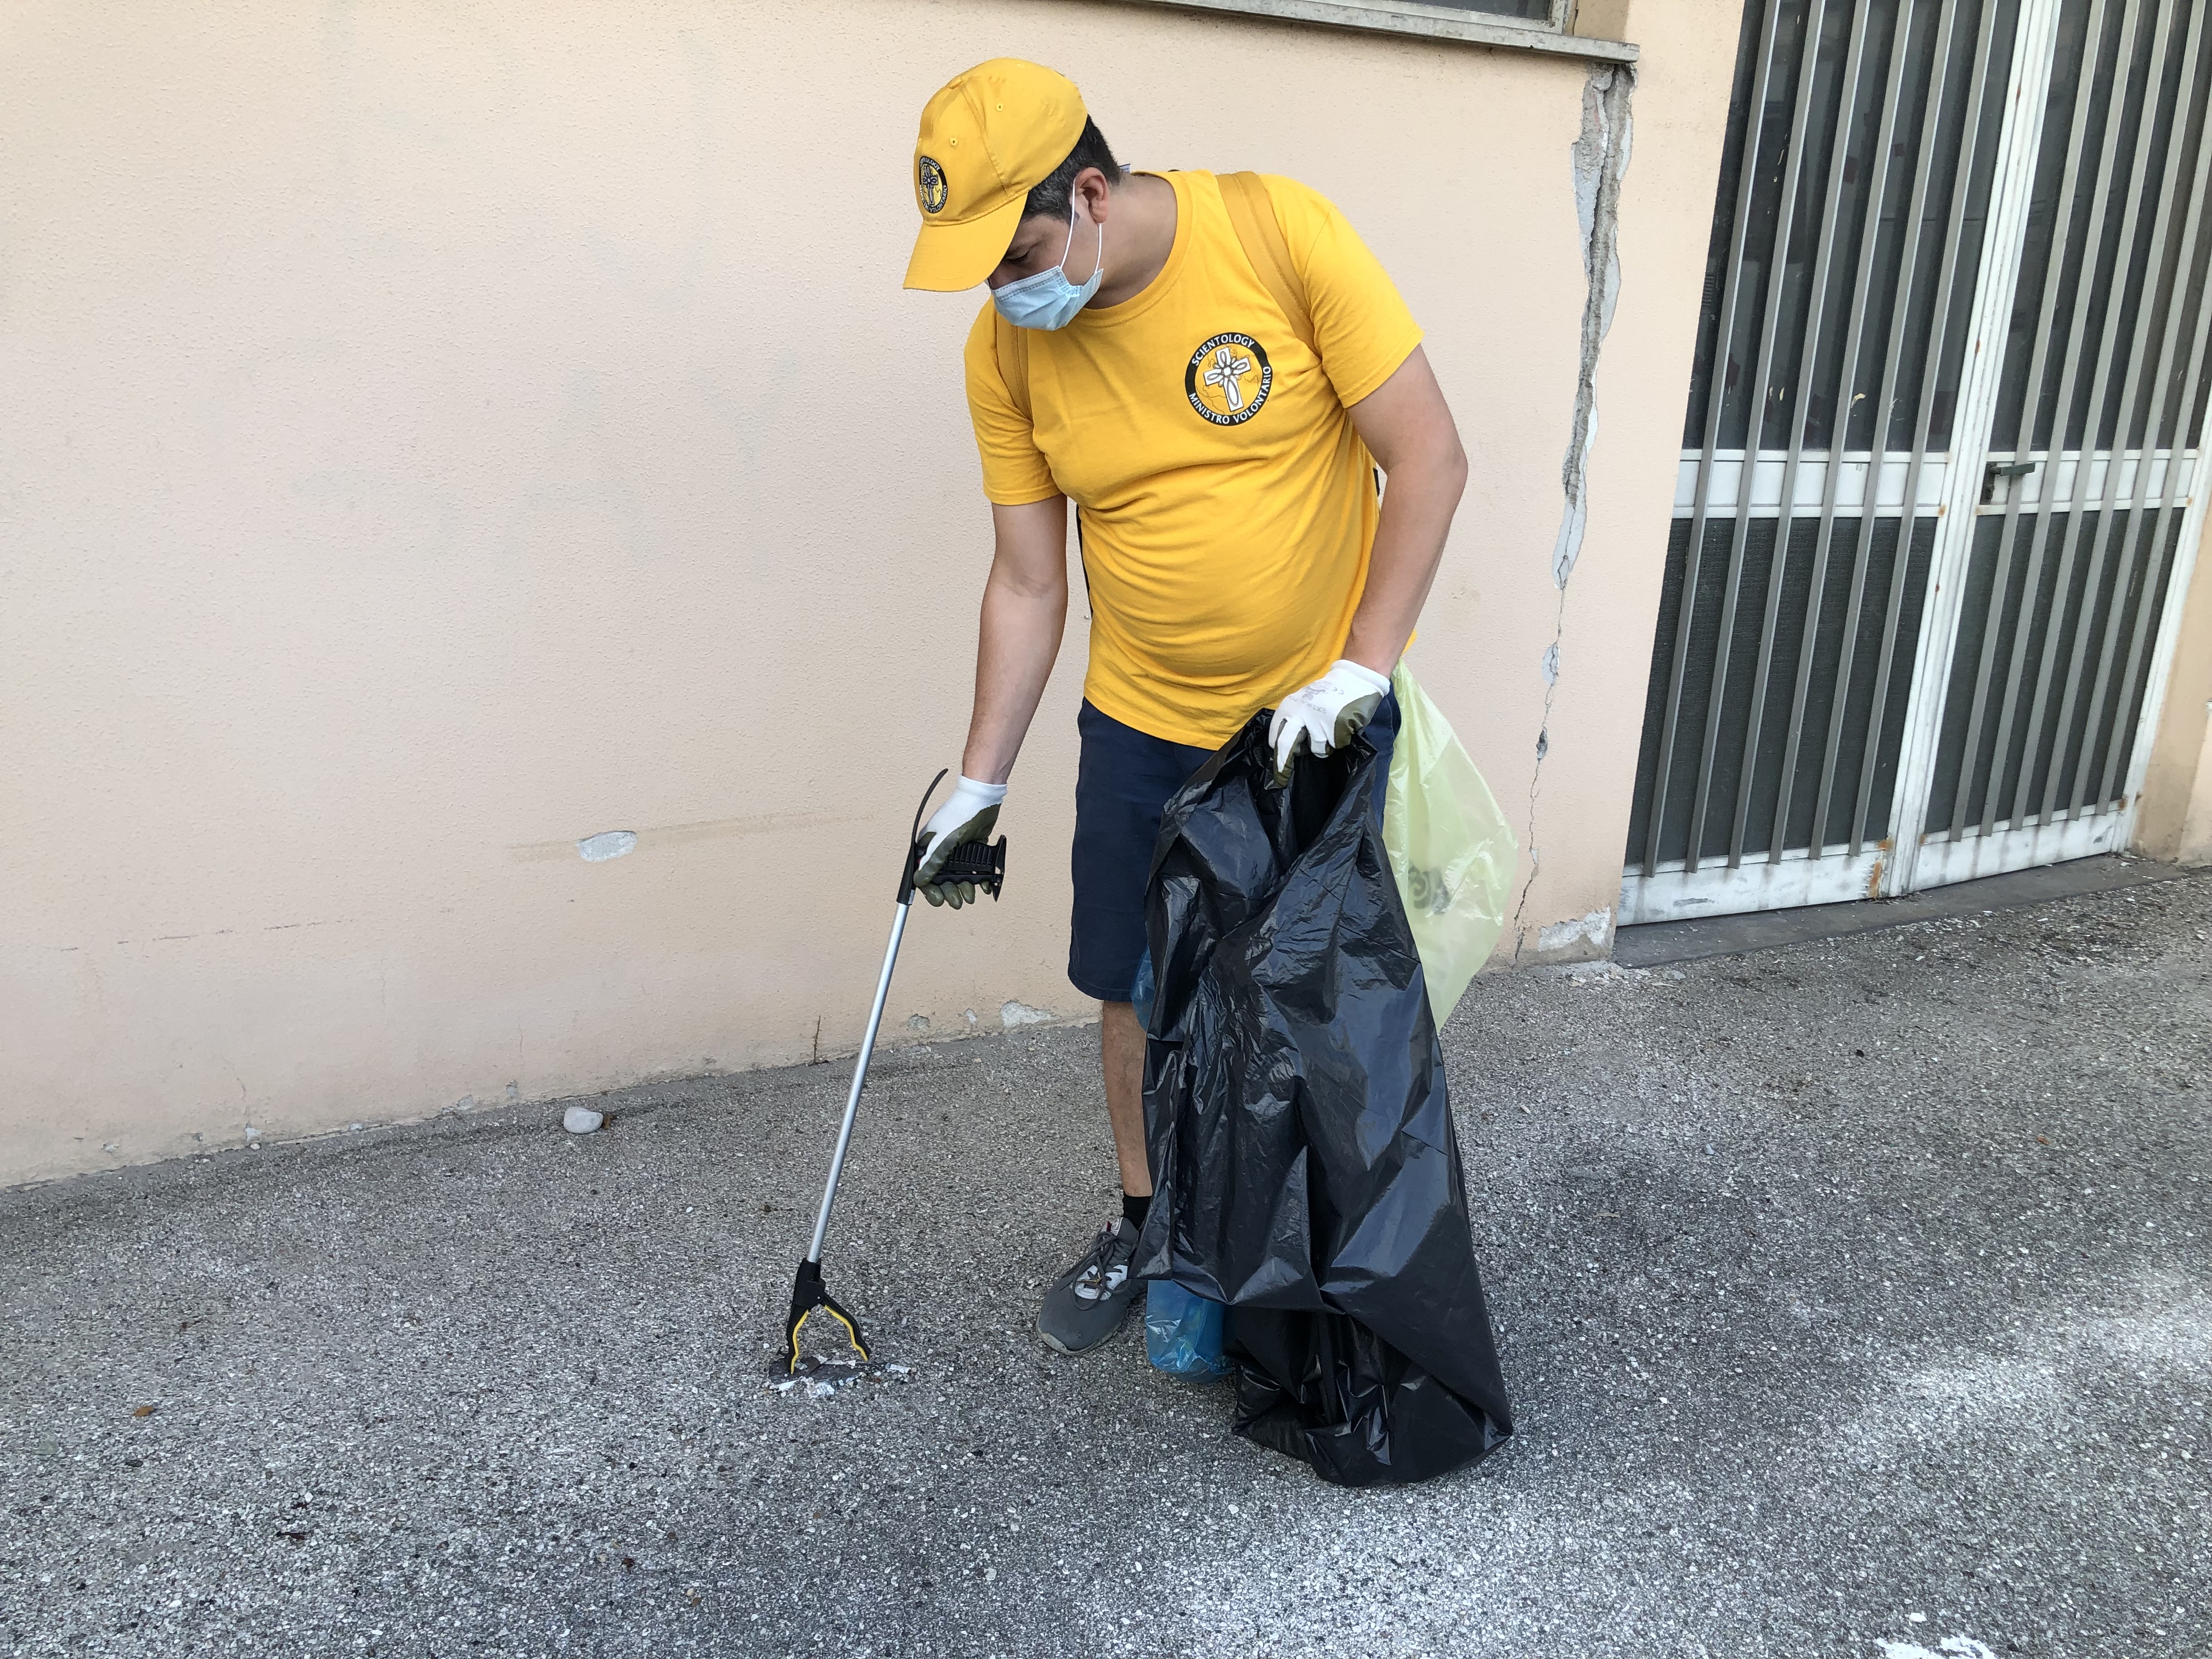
column 1536, row 11
column 2073, row 271
column 1717, row 252
column 1840, row 200
column 1906, row 411
column 1983, row 785
column 1846, row 663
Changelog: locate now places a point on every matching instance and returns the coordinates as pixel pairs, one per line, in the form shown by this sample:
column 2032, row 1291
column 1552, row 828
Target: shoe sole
column 1060, row 1347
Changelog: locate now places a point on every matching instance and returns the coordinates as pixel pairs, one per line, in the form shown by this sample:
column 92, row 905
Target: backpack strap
column 1253, row 213
column 1013, row 361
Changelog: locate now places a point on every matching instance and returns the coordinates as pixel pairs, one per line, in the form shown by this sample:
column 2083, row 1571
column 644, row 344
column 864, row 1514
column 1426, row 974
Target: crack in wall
column 1599, row 157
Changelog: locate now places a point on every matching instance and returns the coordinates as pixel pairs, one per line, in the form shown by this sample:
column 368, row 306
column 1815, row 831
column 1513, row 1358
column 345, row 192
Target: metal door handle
column 1996, row 469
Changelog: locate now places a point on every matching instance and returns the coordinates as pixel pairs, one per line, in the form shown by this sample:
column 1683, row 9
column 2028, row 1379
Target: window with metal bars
column 1855, row 183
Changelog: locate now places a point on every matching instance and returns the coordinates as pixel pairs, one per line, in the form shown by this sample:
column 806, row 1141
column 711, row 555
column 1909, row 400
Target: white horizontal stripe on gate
column 2104, row 827
column 1810, row 490
column 2128, row 477
column 1672, row 894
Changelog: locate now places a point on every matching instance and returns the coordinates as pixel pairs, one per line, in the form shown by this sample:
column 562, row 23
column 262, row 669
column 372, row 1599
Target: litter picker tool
column 984, row 864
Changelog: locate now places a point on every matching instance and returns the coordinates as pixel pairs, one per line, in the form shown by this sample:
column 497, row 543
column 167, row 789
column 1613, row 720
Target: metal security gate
column 1941, row 466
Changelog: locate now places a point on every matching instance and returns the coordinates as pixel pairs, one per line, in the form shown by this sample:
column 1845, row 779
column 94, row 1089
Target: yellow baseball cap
column 988, row 137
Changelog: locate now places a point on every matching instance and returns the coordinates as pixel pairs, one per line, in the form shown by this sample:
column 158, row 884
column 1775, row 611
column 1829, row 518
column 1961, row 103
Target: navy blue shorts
column 1122, row 782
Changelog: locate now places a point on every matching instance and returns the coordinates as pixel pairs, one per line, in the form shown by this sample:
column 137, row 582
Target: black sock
column 1134, row 1210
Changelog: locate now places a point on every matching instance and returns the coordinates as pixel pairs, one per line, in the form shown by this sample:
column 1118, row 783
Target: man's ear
column 1092, row 188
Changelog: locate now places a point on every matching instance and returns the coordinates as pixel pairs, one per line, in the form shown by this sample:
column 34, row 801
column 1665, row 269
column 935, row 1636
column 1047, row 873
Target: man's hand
column 1326, row 713
column 968, row 814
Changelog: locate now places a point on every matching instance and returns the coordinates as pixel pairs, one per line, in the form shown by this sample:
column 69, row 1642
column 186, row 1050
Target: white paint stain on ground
column 607, row 844
column 2165, row 1323
column 1396, row 1577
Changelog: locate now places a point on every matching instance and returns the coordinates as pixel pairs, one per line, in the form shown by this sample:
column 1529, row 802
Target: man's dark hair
column 1050, row 195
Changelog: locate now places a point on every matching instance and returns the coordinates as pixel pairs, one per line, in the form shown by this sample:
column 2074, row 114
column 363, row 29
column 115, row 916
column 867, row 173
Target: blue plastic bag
column 1182, row 1333
column 1182, row 1330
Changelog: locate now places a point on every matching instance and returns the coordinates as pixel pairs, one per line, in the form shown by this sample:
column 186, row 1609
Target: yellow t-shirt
column 1227, row 505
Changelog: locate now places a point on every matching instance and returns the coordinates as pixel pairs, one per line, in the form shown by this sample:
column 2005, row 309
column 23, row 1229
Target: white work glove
column 969, row 813
column 1326, row 713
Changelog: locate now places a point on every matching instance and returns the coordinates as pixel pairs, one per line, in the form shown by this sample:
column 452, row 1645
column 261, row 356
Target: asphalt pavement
column 1856, row 1296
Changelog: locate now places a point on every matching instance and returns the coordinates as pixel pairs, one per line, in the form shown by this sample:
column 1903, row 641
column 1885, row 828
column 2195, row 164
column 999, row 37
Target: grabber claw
column 806, row 1295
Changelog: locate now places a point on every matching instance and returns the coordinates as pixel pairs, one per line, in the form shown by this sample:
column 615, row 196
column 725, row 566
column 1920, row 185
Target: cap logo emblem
column 930, row 186
column 1228, row 379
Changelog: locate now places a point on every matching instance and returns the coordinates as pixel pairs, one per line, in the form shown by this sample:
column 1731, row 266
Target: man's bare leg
column 1086, row 1303
column 1121, row 1048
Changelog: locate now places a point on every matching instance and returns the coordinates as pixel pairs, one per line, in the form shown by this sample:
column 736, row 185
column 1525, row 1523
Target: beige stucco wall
column 434, row 434
column 2175, row 818
column 2193, row 844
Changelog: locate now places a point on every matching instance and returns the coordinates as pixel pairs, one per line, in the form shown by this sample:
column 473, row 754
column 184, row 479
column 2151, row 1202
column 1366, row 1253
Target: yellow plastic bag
column 1450, row 846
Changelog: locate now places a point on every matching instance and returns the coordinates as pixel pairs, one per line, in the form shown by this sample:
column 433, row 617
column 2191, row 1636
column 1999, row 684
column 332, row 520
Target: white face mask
column 1049, row 300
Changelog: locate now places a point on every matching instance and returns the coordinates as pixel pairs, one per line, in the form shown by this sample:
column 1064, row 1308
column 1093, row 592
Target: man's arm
column 1025, row 611
column 1409, row 429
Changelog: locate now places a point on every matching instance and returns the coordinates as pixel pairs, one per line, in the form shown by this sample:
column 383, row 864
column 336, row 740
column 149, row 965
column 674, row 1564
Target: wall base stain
column 1578, row 939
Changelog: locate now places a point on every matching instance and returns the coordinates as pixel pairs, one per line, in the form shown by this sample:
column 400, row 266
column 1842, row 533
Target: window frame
column 1424, row 19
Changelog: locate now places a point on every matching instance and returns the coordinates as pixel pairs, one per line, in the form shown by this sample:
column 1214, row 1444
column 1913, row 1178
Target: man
column 1222, row 454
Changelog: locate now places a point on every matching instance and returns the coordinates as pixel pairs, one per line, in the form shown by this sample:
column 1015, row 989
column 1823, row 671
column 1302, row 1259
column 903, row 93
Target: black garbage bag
column 1305, row 1171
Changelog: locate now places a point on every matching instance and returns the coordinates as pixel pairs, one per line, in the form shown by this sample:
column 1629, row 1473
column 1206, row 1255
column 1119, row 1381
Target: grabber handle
column 899, row 913
column 982, row 864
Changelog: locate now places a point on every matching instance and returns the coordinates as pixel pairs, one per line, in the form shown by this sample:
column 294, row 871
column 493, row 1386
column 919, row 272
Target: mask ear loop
column 1098, row 259
column 1038, row 279
column 1043, row 281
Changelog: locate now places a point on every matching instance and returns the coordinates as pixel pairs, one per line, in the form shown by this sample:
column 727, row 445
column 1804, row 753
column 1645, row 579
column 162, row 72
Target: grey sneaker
column 1087, row 1303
